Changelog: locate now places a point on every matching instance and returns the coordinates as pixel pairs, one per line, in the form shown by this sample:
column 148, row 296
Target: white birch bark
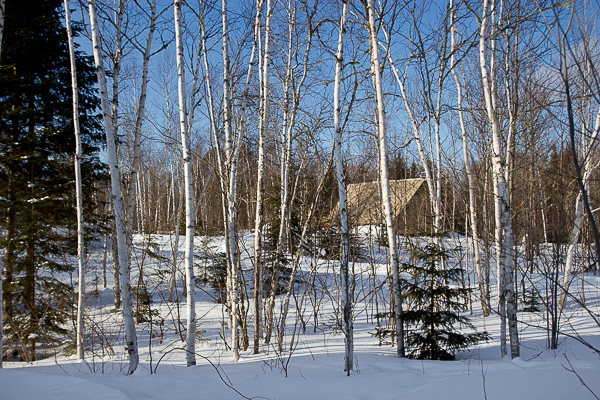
column 212, row 118
column 104, row 257
column 228, row 139
column 232, row 153
column 543, row 208
column 232, row 297
column 579, row 211
column 78, row 189
column 141, row 217
column 189, row 194
column 284, row 174
column 467, row 160
column 432, row 166
column 117, row 59
column 291, row 93
column 339, row 170
column 177, row 196
column 429, row 178
column 262, row 129
column 115, row 258
column 438, row 144
column 117, row 199
column 141, row 109
column 504, row 239
column 383, row 171
column 218, row 151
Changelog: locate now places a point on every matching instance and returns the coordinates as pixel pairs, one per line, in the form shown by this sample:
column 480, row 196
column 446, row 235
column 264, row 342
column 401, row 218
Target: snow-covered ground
column 314, row 368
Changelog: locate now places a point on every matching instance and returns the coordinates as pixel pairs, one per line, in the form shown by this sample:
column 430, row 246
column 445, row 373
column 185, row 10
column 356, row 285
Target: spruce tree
column 37, row 187
column 434, row 319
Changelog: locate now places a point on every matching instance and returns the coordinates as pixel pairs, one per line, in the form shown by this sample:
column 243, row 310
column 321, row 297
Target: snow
column 314, row 368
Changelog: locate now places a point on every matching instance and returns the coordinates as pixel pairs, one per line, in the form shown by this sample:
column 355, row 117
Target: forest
column 244, row 186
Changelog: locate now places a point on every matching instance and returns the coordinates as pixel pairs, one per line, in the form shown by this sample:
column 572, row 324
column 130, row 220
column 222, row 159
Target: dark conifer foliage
column 433, row 320
column 37, row 187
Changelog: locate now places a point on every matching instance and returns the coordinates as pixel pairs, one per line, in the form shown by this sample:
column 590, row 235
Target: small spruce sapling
column 531, row 301
column 434, row 319
column 213, row 270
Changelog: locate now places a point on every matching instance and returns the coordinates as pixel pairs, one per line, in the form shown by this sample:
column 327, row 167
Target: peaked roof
column 364, row 204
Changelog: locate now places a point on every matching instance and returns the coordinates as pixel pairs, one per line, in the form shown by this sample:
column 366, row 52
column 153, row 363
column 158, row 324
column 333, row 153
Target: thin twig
column 222, row 376
column 578, row 377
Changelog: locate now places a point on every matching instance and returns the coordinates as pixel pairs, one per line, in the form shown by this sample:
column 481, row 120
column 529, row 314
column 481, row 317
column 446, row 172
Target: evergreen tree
column 37, row 187
column 435, row 306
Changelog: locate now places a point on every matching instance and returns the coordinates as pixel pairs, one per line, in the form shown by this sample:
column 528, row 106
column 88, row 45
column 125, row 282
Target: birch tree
column 189, row 193
column 229, row 202
column 483, row 291
column 589, row 144
column 383, row 175
column 291, row 101
column 139, row 118
column 503, row 232
column 260, row 190
column 233, row 140
column 78, row 189
column 588, row 167
column 339, row 172
column 117, row 199
column 117, row 58
column 284, row 174
column 217, row 144
column 422, row 125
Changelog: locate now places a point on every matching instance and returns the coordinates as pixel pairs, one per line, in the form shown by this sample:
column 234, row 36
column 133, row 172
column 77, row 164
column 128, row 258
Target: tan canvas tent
column 410, row 204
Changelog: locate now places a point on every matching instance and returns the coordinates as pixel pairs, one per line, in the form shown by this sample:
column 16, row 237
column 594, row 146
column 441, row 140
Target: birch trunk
column 115, row 259
column 177, row 208
column 230, row 186
column 416, row 131
column 220, row 162
column 467, row 159
column 213, row 121
column 285, row 154
column 141, row 217
column 438, row 143
column 339, row 169
column 431, row 167
column 78, row 189
column 289, row 122
column 383, row 171
column 104, row 257
column 115, row 175
column 503, row 234
column 232, row 152
column 262, row 130
column 579, row 209
column 114, row 120
column 237, row 280
column 117, row 57
column 189, row 193
column 141, row 108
